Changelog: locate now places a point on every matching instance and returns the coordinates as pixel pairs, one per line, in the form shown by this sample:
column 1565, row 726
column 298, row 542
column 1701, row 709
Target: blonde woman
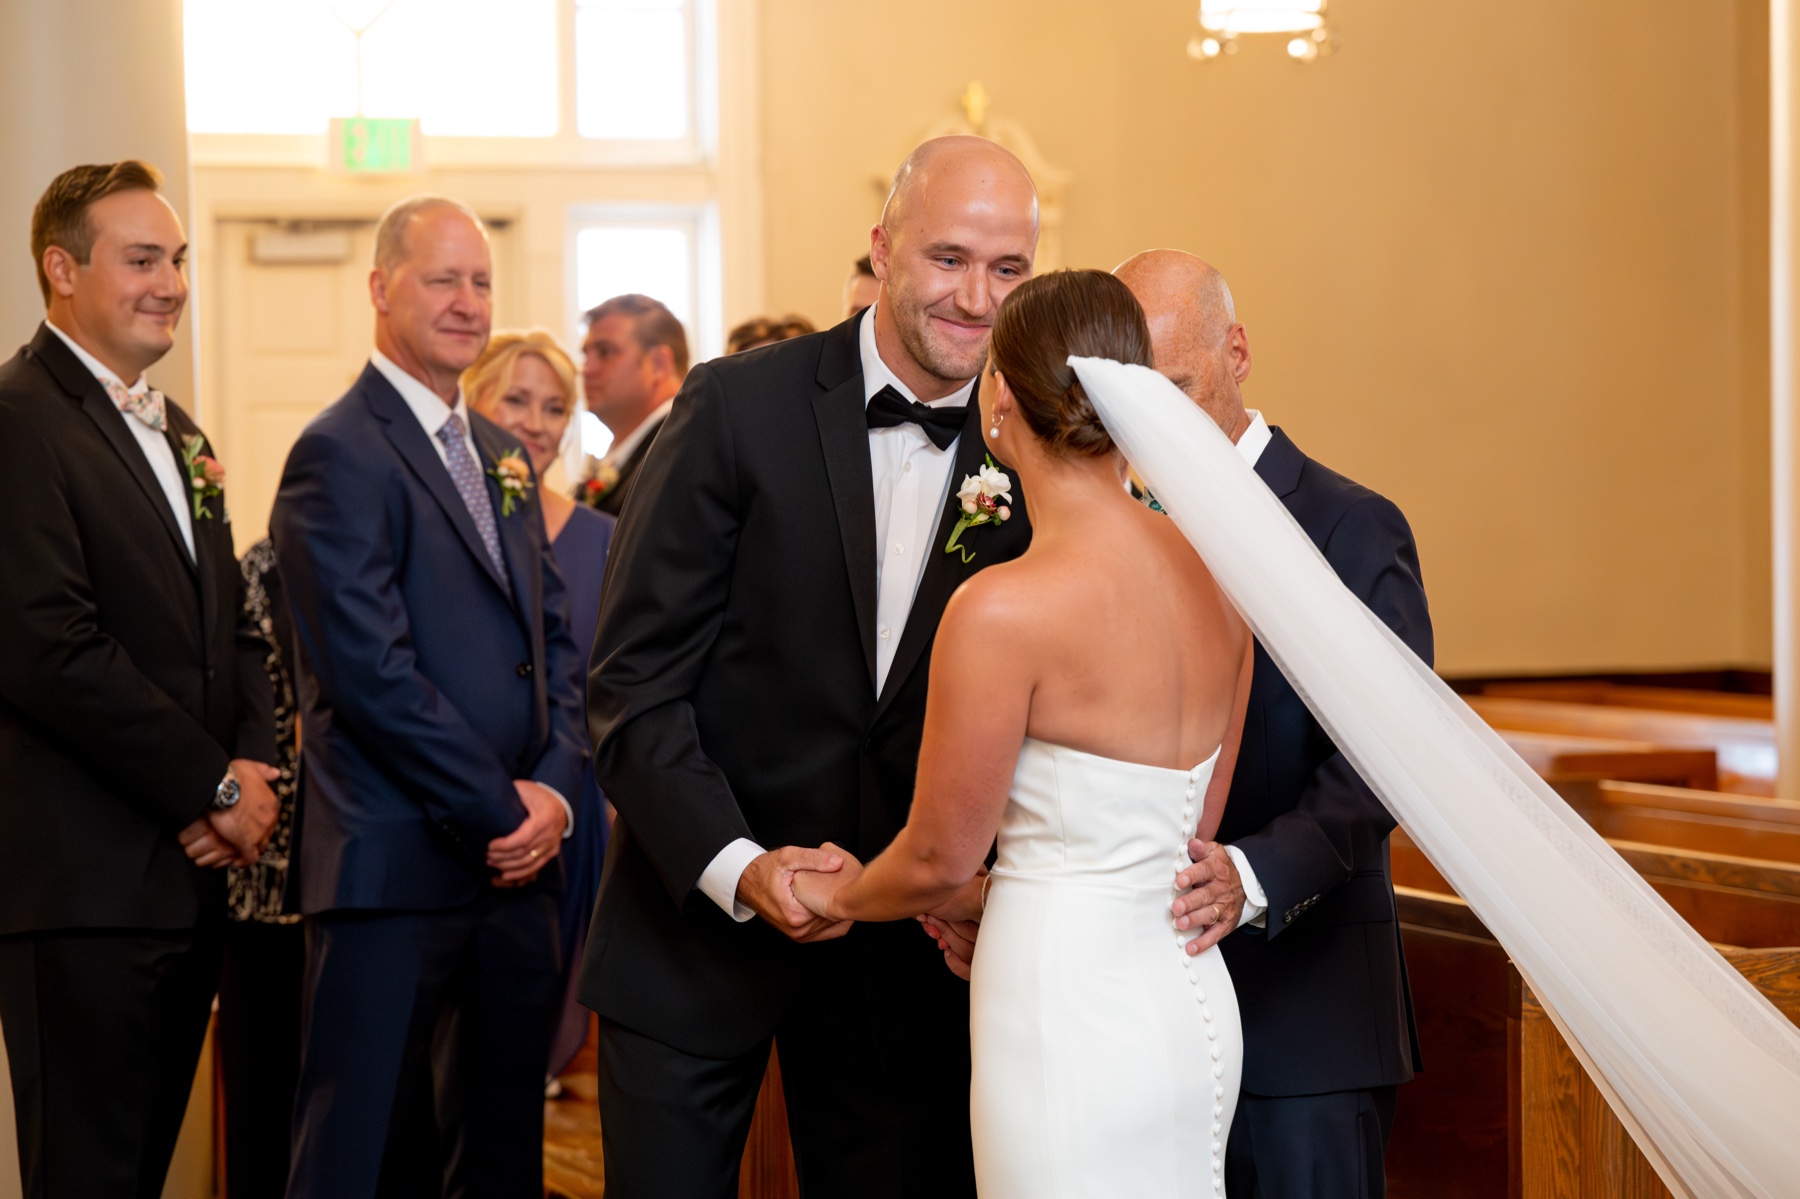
column 525, row 383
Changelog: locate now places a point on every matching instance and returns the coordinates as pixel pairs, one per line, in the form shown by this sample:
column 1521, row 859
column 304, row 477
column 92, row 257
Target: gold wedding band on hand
column 532, row 855
column 1218, row 913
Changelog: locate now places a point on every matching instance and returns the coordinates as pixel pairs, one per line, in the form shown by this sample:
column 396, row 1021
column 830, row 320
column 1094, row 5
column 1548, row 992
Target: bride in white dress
column 1086, row 702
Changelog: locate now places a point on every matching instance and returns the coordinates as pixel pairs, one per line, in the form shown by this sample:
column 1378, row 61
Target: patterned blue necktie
column 467, row 477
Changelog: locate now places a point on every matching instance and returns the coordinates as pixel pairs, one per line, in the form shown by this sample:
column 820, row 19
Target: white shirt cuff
column 720, row 878
column 569, row 828
column 1256, row 900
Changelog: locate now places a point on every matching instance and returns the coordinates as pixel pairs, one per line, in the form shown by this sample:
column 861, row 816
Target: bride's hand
column 815, row 889
column 966, row 905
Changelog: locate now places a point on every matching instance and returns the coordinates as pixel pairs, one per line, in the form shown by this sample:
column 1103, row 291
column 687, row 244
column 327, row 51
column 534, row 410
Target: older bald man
column 1297, row 890
column 759, row 685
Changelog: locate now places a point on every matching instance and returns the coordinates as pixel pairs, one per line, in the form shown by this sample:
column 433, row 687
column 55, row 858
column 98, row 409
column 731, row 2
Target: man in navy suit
column 440, row 696
column 1297, row 890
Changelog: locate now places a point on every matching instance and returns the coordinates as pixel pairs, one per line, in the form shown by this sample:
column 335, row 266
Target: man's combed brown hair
column 60, row 218
column 656, row 325
column 1088, row 314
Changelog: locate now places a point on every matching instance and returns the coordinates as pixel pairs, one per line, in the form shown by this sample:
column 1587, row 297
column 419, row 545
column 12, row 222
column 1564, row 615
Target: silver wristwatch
column 226, row 796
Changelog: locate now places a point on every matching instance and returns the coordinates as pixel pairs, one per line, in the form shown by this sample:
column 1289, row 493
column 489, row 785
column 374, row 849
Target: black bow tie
column 889, row 408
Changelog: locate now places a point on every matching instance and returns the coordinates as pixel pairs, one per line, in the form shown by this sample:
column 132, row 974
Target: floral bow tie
column 147, row 405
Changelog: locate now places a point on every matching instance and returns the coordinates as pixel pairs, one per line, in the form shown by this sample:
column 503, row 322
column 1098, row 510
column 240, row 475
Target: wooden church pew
column 1564, row 756
column 1745, row 747
column 1748, row 826
column 1570, row 1144
column 1457, row 1130
column 1620, row 695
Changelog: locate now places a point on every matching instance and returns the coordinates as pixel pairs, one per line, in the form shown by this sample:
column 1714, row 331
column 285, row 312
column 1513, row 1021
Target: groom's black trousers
column 1310, row 1146
column 875, row 1070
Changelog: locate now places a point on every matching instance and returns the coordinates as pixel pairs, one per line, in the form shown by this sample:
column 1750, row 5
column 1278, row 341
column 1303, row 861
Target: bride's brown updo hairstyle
column 1089, row 314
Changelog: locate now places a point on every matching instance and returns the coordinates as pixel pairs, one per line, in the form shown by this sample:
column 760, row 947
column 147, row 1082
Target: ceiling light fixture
column 1222, row 22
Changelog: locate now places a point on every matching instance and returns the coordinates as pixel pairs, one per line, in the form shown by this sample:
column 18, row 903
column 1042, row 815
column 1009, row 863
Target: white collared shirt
column 912, row 483
column 623, row 447
column 156, row 446
column 433, row 414
column 428, row 406
column 1255, row 438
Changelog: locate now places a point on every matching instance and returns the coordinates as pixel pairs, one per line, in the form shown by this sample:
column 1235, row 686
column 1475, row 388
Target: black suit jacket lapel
column 844, row 438
column 410, row 440
column 180, row 429
column 944, row 573
column 80, row 384
column 1280, row 464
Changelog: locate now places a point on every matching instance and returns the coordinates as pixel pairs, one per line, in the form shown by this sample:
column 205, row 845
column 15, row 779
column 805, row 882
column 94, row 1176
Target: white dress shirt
column 623, row 447
column 155, row 445
column 433, row 414
column 912, row 483
column 1251, row 445
column 428, row 406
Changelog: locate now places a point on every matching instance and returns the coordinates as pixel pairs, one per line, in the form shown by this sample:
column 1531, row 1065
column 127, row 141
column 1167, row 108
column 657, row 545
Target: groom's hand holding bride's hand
column 1216, row 902
column 813, row 889
column 767, row 887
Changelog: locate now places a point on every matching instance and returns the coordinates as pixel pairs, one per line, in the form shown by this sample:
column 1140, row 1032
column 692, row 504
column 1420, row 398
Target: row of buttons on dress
column 1193, row 975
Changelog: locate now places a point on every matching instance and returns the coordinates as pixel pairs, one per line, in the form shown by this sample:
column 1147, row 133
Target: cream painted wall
column 1502, row 262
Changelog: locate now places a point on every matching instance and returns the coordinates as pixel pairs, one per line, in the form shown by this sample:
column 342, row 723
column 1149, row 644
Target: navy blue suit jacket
column 1322, row 989
column 428, row 680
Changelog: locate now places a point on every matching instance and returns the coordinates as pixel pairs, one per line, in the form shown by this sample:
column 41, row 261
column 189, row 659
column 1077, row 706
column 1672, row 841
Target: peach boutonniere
column 513, row 474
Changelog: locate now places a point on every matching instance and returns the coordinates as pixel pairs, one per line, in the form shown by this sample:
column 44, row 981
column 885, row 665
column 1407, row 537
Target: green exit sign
column 376, row 145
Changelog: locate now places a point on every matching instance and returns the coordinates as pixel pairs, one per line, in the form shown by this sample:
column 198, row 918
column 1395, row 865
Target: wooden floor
column 572, row 1162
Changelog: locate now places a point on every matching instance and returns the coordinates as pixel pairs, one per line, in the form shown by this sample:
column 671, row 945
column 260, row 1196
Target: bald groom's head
column 958, row 233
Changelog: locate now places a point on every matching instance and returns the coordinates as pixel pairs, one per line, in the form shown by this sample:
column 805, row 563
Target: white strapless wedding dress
column 1106, row 1060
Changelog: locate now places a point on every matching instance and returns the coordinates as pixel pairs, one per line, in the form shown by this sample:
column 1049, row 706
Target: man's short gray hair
column 390, row 234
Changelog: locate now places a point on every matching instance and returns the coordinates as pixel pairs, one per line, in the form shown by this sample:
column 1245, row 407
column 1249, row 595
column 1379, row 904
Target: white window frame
column 706, row 325
column 566, row 148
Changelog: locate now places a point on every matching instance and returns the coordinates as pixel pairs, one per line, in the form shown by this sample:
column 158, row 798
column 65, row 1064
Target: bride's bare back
column 1127, row 646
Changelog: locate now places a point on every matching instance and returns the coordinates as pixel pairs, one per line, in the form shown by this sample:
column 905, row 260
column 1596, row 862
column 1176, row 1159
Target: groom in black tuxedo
column 758, row 685
column 1297, row 890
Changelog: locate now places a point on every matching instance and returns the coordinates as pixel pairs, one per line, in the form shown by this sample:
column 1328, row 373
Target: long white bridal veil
column 1701, row 1067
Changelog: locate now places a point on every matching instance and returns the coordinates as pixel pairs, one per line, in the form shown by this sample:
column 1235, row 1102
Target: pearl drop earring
column 995, row 431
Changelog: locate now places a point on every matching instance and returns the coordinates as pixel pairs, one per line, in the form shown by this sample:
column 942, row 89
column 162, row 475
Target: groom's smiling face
column 958, row 235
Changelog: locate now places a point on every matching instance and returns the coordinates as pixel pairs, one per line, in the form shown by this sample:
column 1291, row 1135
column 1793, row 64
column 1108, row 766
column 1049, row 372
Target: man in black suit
column 135, row 720
column 759, row 684
column 634, row 356
column 1297, row 891
column 440, row 694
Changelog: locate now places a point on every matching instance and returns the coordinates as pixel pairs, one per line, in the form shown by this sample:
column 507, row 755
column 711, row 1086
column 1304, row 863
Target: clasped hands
column 235, row 836
column 795, row 890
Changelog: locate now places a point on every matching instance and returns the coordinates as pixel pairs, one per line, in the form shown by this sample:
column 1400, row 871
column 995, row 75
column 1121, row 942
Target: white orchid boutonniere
column 513, row 474
column 985, row 498
column 205, row 475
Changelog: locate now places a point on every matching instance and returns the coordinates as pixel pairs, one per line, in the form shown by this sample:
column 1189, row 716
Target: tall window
column 463, row 68
column 669, row 252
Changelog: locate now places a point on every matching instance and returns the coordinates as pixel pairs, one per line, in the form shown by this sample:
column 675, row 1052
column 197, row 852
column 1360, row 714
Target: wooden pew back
column 1745, row 746
column 1570, row 1144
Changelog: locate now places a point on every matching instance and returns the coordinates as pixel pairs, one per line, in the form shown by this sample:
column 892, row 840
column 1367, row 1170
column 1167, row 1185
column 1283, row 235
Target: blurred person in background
column 862, row 288
column 525, row 383
column 634, row 356
column 766, row 331
column 264, row 970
